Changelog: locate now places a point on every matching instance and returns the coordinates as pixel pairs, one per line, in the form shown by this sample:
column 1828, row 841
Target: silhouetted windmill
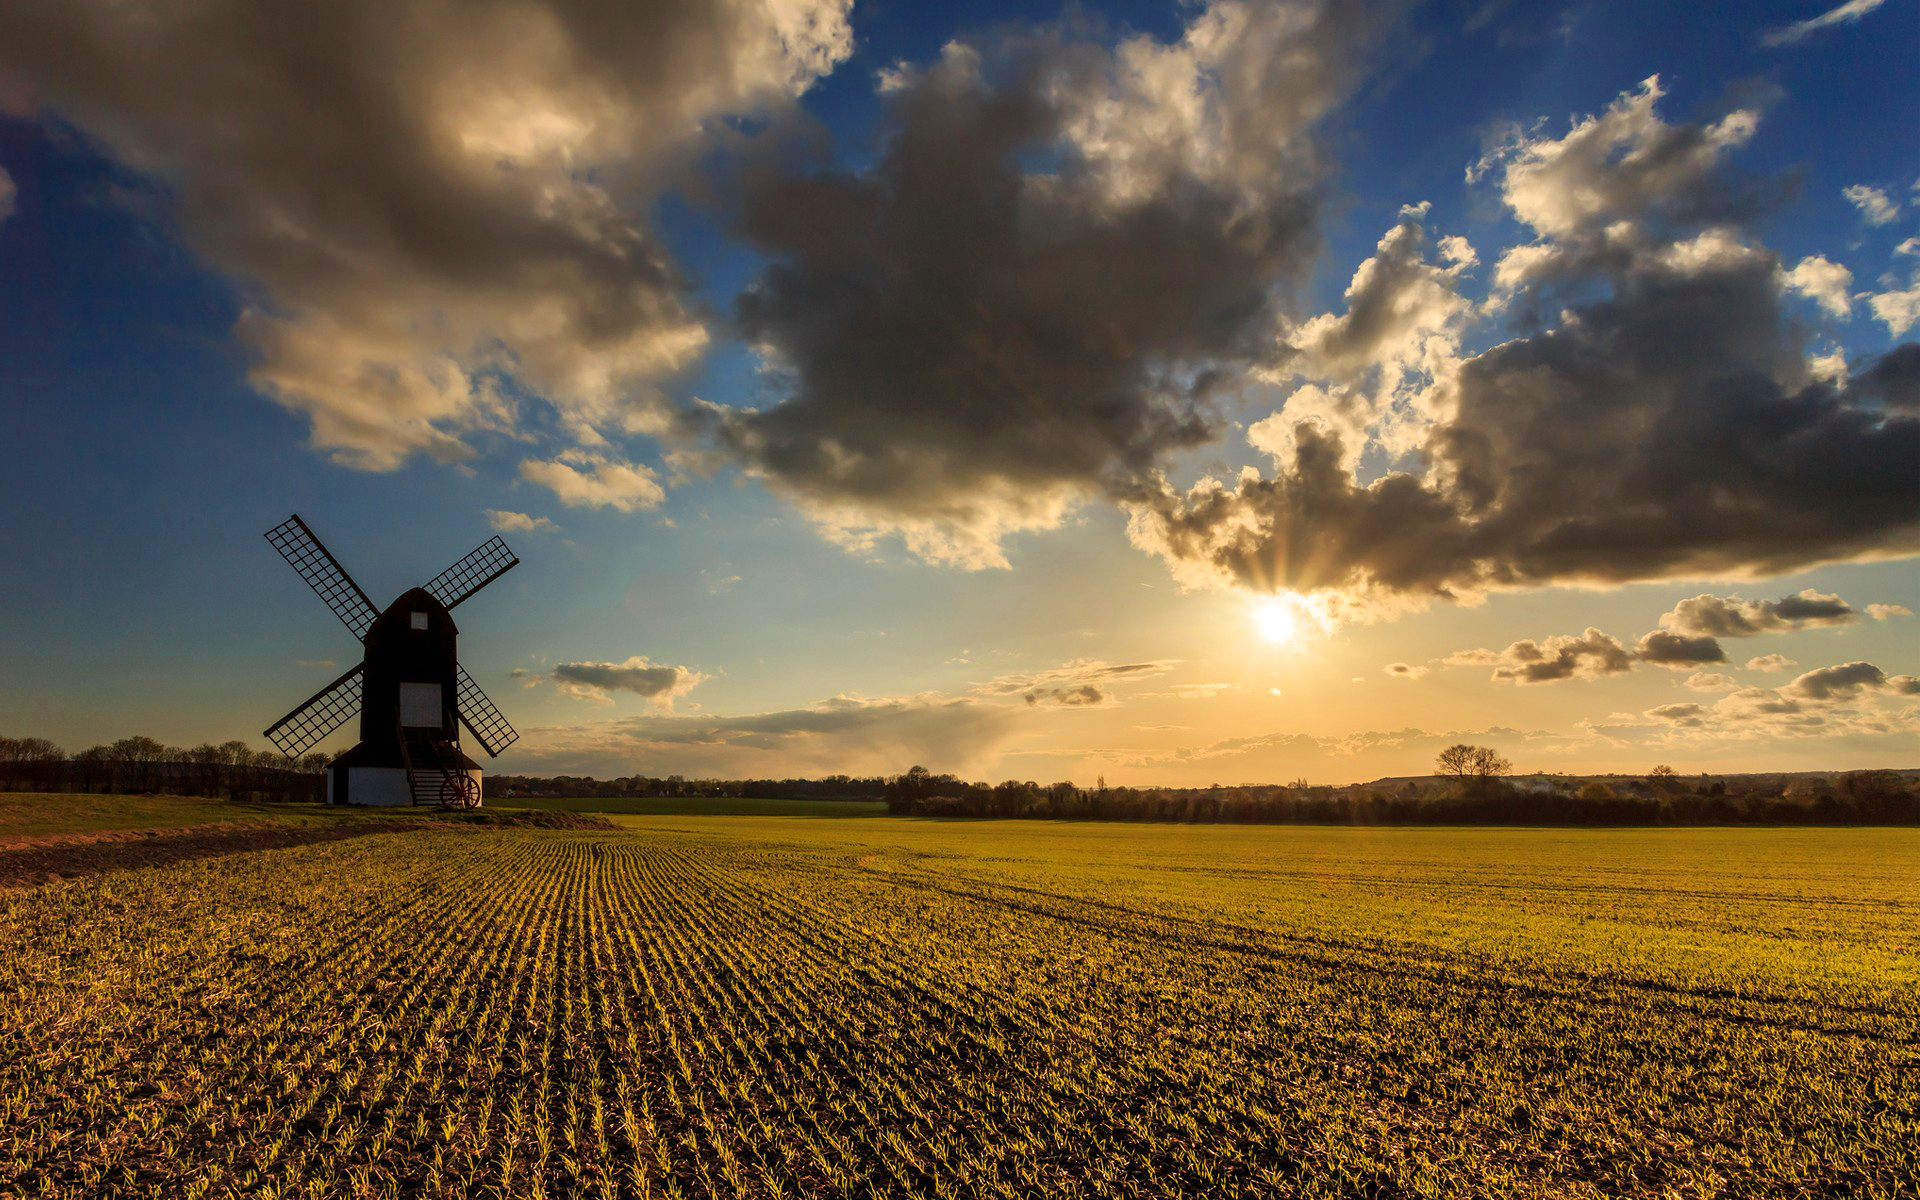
column 410, row 690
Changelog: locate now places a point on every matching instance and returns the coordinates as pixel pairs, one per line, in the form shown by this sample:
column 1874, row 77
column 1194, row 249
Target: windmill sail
column 482, row 719
column 486, row 563
column 324, row 574
column 325, row 711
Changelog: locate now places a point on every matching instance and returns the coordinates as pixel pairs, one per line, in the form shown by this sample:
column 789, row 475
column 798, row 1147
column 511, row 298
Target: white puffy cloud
column 582, row 479
column 515, row 522
column 1825, row 282
column 1652, row 416
column 1769, row 662
column 1897, row 308
column 1874, row 203
column 1887, row 612
column 427, row 207
column 1842, row 14
column 1402, row 670
column 1625, row 164
column 1711, row 681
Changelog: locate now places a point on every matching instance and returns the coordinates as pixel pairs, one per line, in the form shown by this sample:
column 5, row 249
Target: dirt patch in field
column 25, row 862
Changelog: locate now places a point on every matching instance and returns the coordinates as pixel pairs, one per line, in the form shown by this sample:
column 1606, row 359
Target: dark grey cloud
column 1061, row 252
column 657, row 682
column 1084, row 696
column 1893, row 380
column 1666, row 649
column 421, row 200
column 1653, row 414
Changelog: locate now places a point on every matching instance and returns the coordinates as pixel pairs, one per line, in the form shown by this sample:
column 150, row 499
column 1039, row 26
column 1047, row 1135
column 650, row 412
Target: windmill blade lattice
column 325, row 711
column 324, row 574
column 486, row 563
column 482, row 719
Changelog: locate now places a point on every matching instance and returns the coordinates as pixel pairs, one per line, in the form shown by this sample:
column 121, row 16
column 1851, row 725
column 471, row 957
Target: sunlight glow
column 1274, row 619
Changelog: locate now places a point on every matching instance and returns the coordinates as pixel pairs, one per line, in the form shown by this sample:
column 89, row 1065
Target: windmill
column 409, row 688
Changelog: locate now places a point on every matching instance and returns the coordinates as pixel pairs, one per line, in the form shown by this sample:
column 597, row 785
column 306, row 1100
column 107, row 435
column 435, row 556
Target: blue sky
column 146, row 452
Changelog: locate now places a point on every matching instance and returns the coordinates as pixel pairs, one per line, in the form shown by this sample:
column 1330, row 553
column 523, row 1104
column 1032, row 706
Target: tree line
column 832, row 787
column 1468, row 790
column 143, row 764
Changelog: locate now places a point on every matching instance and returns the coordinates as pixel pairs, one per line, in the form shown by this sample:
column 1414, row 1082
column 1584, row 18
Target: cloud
column 1201, row 691
column 1589, row 656
column 1084, row 696
column 586, row 480
column 514, row 522
column 1402, row 670
column 1688, row 637
column 1843, row 681
column 1652, row 415
column 1873, row 203
column 658, row 683
column 1897, row 308
column 846, row 734
column 1397, row 304
column 1730, row 616
column 1824, row 281
column 1664, row 648
column 1703, row 681
column 1845, row 14
column 8, row 194
column 1684, row 715
column 1887, row 612
column 1769, row 662
column 1062, row 253
column 431, row 209
column 1082, row 683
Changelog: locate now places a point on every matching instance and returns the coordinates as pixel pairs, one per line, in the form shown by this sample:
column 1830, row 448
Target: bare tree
column 1471, row 764
column 1456, row 761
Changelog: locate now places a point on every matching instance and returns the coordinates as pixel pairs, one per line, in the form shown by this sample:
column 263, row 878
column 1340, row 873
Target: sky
column 1170, row 393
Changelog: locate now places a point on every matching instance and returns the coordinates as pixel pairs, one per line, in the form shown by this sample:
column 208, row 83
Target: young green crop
column 720, row 1007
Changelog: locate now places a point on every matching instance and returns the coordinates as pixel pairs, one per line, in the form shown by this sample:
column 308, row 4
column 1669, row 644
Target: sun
column 1275, row 621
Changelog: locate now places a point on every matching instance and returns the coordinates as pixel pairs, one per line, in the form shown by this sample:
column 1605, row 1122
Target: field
column 708, row 1006
column 40, row 814
column 709, row 806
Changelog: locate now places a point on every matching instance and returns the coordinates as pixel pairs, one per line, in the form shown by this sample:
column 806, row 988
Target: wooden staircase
column 430, row 761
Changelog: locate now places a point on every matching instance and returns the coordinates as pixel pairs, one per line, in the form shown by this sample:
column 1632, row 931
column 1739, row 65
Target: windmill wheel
column 459, row 791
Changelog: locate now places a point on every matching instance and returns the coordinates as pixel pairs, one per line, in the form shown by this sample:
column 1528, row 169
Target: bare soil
column 28, row 861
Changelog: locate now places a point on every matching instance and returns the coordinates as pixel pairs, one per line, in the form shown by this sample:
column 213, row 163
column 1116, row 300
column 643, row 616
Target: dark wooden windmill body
column 411, row 693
